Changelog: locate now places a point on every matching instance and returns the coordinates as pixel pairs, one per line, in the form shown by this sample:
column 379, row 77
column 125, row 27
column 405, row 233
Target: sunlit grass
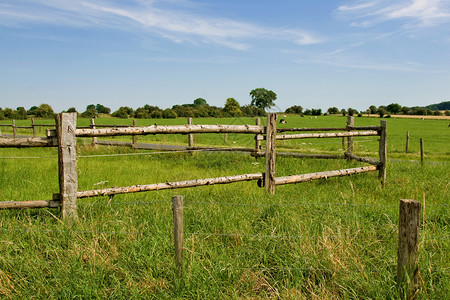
column 334, row 238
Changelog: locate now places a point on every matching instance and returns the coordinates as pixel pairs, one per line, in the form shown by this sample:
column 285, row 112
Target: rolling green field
column 326, row 239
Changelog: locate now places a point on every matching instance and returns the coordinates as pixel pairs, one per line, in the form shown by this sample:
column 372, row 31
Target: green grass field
column 327, row 239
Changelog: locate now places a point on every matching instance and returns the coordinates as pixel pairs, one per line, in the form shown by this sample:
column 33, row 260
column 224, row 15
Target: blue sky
column 317, row 54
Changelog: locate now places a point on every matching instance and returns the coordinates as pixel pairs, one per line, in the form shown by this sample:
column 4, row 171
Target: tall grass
column 334, row 238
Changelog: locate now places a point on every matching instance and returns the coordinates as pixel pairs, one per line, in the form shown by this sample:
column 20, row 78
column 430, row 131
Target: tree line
column 382, row 111
column 261, row 100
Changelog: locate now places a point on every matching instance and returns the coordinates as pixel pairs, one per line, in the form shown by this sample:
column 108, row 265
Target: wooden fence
column 66, row 132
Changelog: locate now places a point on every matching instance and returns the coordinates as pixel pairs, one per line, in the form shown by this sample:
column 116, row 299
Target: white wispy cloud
column 413, row 13
column 179, row 23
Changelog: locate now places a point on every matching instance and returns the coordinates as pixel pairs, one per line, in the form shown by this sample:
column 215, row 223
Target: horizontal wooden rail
column 29, row 204
column 323, row 135
column 169, row 185
column 27, row 142
column 116, row 126
column 368, row 160
column 319, row 175
column 301, row 155
column 330, row 128
column 176, row 129
column 224, row 149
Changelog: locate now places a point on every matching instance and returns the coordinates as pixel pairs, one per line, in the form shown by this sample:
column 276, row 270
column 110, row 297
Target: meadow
column 327, row 239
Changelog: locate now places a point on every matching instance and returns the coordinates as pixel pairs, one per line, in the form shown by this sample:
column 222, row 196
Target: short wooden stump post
column 134, row 139
column 94, row 139
column 190, row 135
column 14, row 128
column 407, row 142
column 33, row 127
column 408, row 250
column 421, row 151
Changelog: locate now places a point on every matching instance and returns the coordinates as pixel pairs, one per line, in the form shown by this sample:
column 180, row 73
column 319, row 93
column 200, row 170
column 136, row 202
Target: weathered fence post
column 134, row 140
column 407, row 142
column 257, row 141
column 14, row 128
column 408, row 250
column 271, row 134
column 94, row 139
column 66, row 123
column 177, row 209
column 350, row 123
column 33, row 127
column 382, row 153
column 190, row 135
column 421, row 151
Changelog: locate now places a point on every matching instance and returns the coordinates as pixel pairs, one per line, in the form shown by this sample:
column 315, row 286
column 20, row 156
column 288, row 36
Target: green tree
column 333, row 110
column 406, row 110
column 352, row 111
column 394, row 108
column 252, row 111
column 232, row 107
column 8, row 113
column 381, row 111
column 295, row 109
column 186, row 111
column 90, row 112
column 200, row 102
column 72, row 109
column 32, row 110
column 44, row 111
column 141, row 113
column 169, row 114
column 102, row 109
column 201, row 112
column 373, row 109
column 263, row 98
column 2, row 115
column 316, row 112
column 123, row 112
column 215, row 112
column 20, row 113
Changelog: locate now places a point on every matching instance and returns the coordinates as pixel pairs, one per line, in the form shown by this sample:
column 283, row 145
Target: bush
column 122, row 113
column 44, row 111
column 295, row 109
column 169, row 114
column 381, row 112
column 156, row 114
